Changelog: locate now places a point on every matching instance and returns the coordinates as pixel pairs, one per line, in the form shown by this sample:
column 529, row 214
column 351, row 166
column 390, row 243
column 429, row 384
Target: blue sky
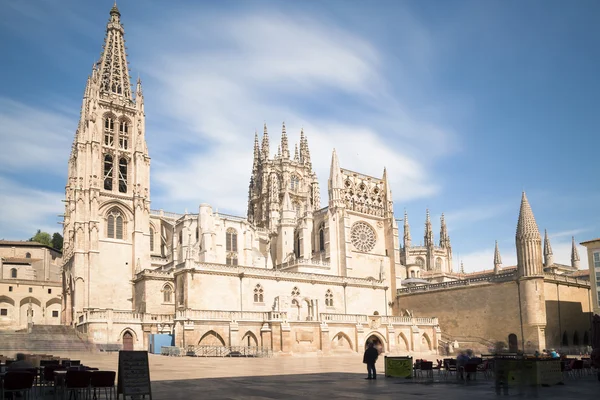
column 466, row 103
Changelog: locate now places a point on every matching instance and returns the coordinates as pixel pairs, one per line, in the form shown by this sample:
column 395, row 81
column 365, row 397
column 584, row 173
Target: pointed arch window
column 109, row 130
column 167, row 294
column 151, row 239
column 123, row 134
column 438, row 264
column 297, row 245
column 295, row 183
column 13, row 273
column 231, row 247
column 123, row 175
column 322, row 237
column 108, row 172
column 258, row 294
column 114, row 224
column 329, row 298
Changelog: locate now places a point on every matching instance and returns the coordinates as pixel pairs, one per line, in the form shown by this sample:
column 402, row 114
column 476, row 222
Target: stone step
column 44, row 338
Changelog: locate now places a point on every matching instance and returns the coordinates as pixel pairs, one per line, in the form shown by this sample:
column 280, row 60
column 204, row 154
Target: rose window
column 363, row 237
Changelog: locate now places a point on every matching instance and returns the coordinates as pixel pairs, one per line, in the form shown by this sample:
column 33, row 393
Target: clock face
column 363, row 237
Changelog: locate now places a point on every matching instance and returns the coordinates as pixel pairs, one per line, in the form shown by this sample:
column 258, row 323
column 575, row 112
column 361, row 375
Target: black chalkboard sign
column 134, row 375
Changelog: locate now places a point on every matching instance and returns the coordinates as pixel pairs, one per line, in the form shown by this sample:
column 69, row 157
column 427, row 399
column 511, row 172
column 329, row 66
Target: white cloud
column 24, row 210
column 229, row 73
column 33, row 139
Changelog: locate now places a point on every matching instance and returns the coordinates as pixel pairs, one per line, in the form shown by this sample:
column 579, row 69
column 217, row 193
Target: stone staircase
column 43, row 339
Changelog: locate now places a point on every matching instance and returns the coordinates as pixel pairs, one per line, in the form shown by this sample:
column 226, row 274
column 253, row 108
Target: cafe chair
column 18, row 382
column 77, row 383
column 104, row 380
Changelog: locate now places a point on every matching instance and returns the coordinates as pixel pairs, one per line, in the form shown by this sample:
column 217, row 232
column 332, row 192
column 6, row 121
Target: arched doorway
column 127, row 341
column 377, row 342
column 513, row 343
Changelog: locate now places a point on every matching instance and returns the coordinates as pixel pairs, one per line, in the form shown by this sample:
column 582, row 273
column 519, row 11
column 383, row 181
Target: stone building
column 30, row 284
column 292, row 276
column 593, row 253
column 537, row 304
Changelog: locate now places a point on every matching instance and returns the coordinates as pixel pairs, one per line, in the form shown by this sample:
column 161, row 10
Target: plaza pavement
column 340, row 377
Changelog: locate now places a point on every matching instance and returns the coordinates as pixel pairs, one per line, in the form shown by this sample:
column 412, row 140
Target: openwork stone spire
column 407, row 238
column 528, row 242
column 265, row 143
column 296, row 155
column 335, row 182
column 285, row 151
column 444, row 237
column 428, row 239
column 548, row 255
column 574, row 254
column 304, row 150
column 256, row 153
column 497, row 259
column 114, row 72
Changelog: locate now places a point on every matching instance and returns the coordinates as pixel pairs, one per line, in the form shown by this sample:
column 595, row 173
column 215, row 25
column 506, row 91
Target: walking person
column 370, row 357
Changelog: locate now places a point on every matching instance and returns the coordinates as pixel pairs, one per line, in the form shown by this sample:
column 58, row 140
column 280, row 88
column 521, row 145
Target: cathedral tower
column 107, row 206
column 529, row 242
column 270, row 180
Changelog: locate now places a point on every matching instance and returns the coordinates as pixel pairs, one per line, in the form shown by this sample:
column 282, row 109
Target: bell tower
column 107, row 205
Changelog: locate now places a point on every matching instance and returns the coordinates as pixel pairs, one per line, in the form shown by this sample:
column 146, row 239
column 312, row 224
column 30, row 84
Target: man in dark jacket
column 370, row 357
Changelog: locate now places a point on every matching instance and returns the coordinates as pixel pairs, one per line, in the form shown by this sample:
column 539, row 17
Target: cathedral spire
column 528, row 242
column 285, row 152
column 296, row 155
column 548, row 255
column 444, row 238
column 428, row 239
column 265, row 143
column 497, row 259
column 304, row 150
column 407, row 239
column 574, row 254
column 256, row 153
column 335, row 182
column 114, row 71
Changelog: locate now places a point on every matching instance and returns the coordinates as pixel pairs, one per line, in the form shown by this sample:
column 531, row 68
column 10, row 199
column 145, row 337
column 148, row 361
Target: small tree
column 42, row 238
column 57, row 241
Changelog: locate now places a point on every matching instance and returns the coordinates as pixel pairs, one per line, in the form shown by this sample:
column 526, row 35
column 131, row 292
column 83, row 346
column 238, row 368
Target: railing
column 228, row 351
column 304, row 261
column 296, row 276
column 231, row 217
column 166, row 214
column 122, row 315
column 223, row 315
column 353, row 318
column 172, row 351
column 396, row 320
column 457, row 283
column 566, row 279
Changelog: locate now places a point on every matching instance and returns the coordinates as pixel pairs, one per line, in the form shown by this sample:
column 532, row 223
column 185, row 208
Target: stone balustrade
column 166, row 214
column 353, row 318
column 501, row 277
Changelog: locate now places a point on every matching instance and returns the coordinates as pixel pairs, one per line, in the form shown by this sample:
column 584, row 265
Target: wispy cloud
column 33, row 139
column 23, row 210
column 477, row 213
column 234, row 71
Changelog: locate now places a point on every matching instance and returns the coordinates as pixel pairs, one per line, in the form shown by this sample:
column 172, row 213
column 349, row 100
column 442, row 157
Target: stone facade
column 593, row 254
column 30, row 285
column 291, row 276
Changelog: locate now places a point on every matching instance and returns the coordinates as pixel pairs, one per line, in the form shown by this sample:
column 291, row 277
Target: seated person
column 21, row 363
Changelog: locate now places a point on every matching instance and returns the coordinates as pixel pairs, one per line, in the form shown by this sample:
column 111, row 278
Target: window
column 297, row 245
column 109, row 128
column 322, row 237
column 197, row 233
column 167, row 294
column 123, row 175
column 123, row 134
column 180, row 237
column 30, row 290
column 597, row 260
column 151, row 239
column 231, row 240
column 329, row 298
column 438, row 264
column 3, row 311
column 258, row 294
column 108, row 172
column 294, row 183
column 295, row 291
column 114, row 224
column 412, row 274
column 420, row 262
column 49, row 291
column 54, row 314
column 231, row 246
column 28, row 255
column 13, row 273
column 10, row 288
